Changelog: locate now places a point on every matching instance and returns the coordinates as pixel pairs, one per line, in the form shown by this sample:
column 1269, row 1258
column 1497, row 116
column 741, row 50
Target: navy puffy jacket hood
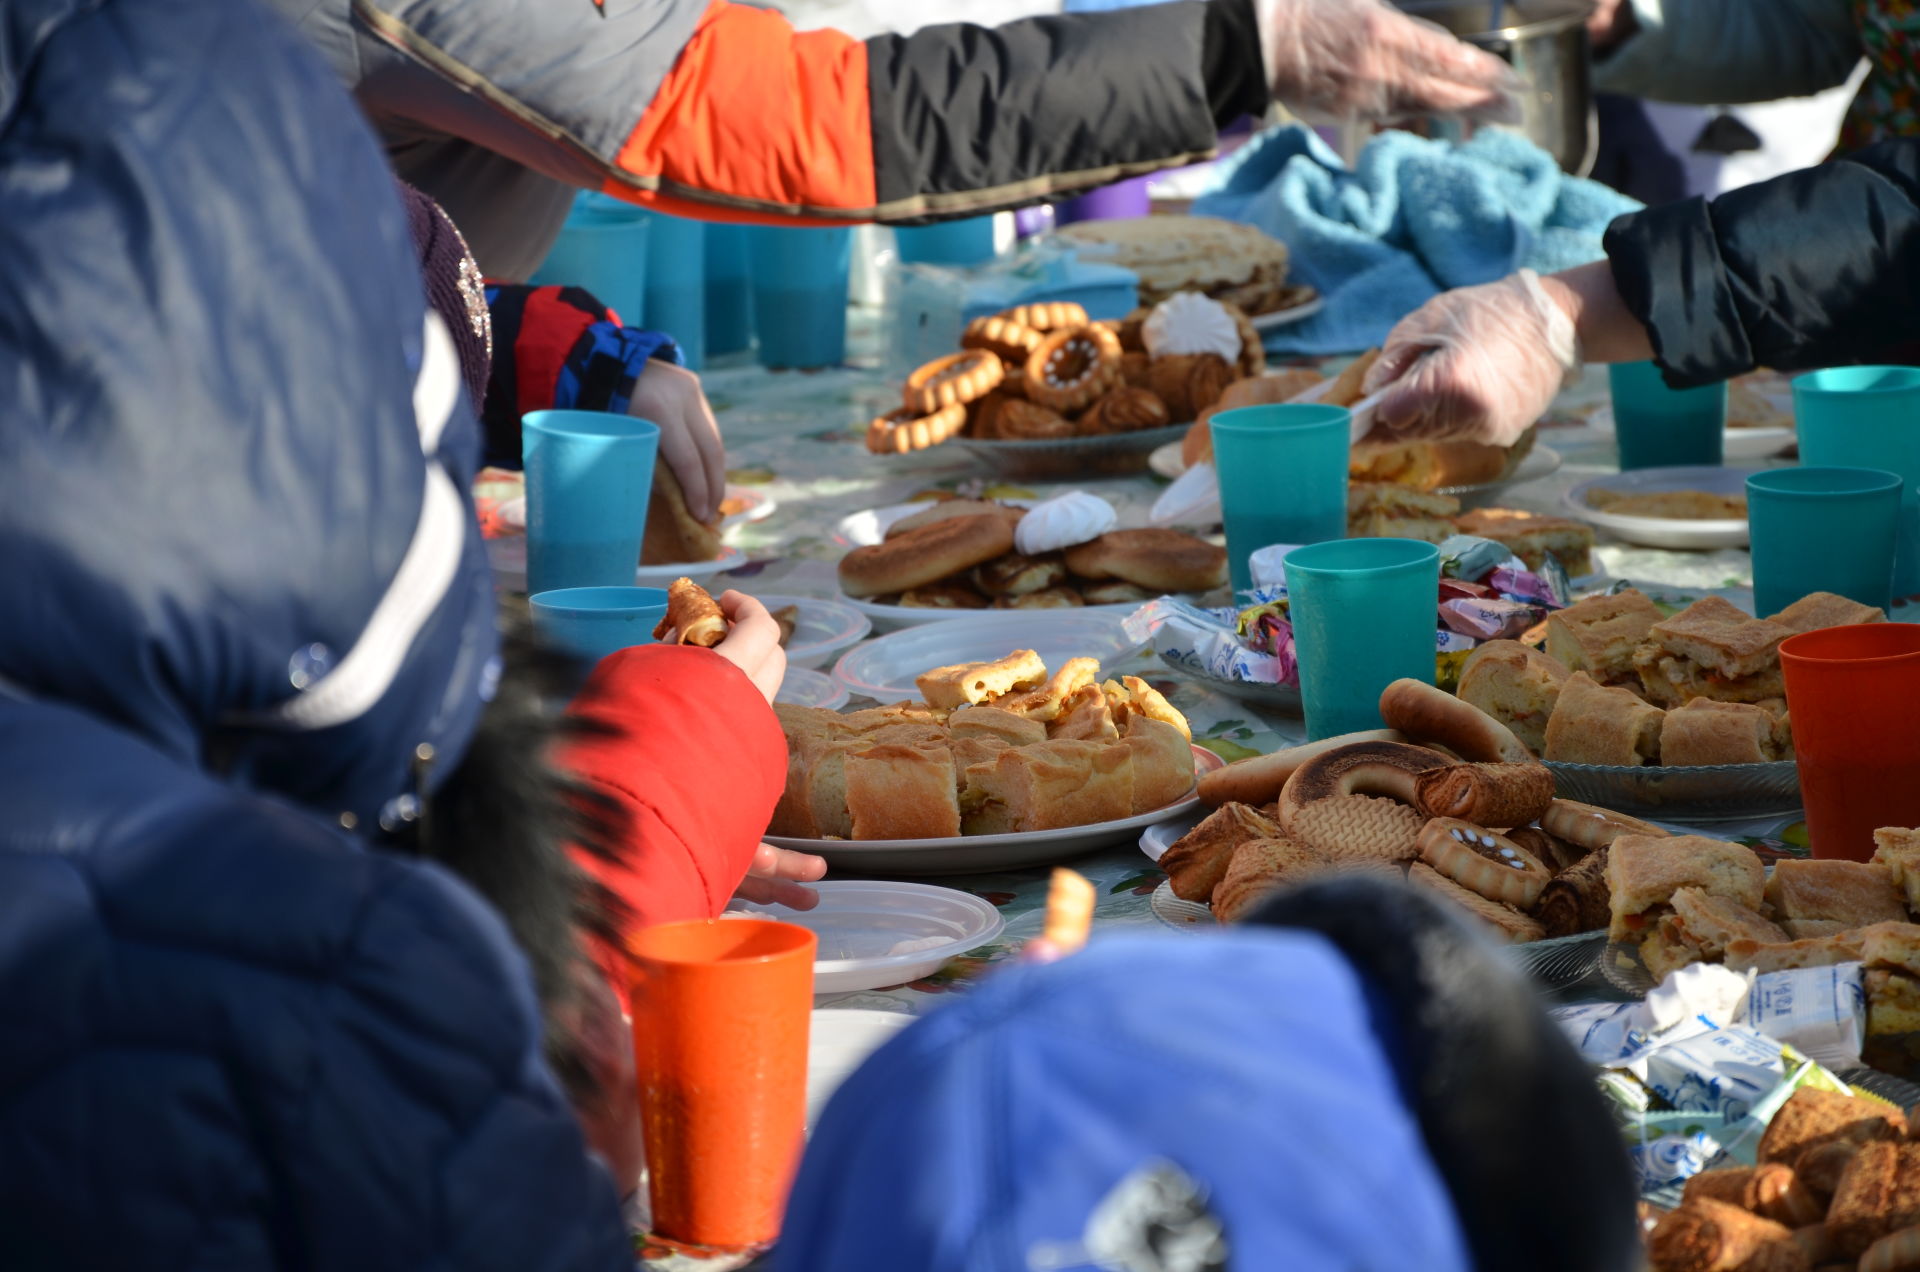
column 243, row 588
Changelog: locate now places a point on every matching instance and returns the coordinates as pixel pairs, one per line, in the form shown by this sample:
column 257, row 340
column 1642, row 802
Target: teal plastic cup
column 588, row 476
column 592, row 622
column 1364, row 615
column 1868, row 417
column 1823, row 530
column 677, row 283
column 954, row 243
column 1659, row 427
column 1283, row 478
column 729, row 291
column 800, row 294
column 602, row 248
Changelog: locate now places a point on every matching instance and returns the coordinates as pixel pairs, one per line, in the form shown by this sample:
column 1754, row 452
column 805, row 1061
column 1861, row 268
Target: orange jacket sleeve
column 697, row 761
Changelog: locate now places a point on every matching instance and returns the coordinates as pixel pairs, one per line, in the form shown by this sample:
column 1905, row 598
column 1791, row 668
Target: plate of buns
column 1658, row 710
column 1437, row 799
column 1699, row 508
column 889, row 668
column 999, row 763
column 960, row 556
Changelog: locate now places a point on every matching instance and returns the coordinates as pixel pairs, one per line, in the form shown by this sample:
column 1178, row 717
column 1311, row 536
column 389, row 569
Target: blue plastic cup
column 602, row 248
column 588, row 477
column 1659, row 427
column 961, row 243
column 1363, row 617
column 729, row 291
column 1868, row 417
column 800, row 294
column 1823, row 530
column 677, row 283
column 1283, row 478
column 592, row 622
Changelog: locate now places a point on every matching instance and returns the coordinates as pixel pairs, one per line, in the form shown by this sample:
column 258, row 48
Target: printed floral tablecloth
column 796, row 437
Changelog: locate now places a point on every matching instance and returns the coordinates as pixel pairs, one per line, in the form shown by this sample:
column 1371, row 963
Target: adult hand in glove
column 1335, row 60
column 1478, row 364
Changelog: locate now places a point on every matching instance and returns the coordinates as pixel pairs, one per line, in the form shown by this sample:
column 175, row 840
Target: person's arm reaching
column 1809, row 269
column 1723, row 52
column 724, row 110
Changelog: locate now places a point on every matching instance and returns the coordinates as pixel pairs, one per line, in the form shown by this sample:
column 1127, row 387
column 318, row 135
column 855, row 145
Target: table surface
column 796, row 437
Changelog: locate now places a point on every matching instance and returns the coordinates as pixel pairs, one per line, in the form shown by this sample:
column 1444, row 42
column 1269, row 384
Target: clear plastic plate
column 1714, row 792
column 884, row 669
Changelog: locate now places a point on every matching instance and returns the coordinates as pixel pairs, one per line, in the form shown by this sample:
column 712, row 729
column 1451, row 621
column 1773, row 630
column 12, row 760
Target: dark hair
column 505, row 819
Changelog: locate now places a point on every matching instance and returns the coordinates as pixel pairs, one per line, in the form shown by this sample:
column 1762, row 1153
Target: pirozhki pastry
column 924, row 556
column 1163, row 560
column 693, row 617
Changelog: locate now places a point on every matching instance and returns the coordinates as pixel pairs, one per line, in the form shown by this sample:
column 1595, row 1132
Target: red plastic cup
column 721, row 1010
column 1850, row 695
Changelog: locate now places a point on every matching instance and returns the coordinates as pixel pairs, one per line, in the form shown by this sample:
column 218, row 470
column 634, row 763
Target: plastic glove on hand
column 1478, row 364
column 1334, row 60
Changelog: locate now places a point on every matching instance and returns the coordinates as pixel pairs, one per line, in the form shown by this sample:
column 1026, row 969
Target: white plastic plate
column 1665, row 532
column 825, row 628
column 877, row 934
column 804, row 688
column 884, row 669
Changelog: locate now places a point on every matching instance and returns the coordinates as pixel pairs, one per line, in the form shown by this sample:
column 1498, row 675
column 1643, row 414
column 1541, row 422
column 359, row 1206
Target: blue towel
column 1416, row 217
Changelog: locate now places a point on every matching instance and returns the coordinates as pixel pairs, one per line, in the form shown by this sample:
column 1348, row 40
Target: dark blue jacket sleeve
column 1811, row 269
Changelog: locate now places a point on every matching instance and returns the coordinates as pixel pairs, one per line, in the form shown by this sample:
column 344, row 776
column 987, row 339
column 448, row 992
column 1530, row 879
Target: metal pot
column 1546, row 42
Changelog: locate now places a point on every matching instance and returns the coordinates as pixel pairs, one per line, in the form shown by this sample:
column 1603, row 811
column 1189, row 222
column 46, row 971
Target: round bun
column 948, row 508
column 923, row 556
column 1254, row 390
column 1159, row 560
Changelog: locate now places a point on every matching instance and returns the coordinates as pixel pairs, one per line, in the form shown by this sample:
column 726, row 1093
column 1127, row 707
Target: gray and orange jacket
column 501, row 109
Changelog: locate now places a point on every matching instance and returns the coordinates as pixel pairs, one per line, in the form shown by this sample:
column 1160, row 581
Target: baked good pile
column 995, row 748
column 1836, row 1185
column 1047, row 372
column 1225, row 260
column 1621, row 683
column 1065, row 553
column 1444, row 797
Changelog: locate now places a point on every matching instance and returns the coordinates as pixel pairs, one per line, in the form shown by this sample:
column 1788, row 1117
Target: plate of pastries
column 1045, row 391
column 1698, row 508
column 959, row 557
column 1438, row 798
column 1448, row 468
column 1000, row 763
column 1672, row 900
column 1658, row 712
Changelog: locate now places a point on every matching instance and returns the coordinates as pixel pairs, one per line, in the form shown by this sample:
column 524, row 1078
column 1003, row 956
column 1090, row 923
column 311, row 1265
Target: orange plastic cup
column 1850, row 695
column 720, row 1018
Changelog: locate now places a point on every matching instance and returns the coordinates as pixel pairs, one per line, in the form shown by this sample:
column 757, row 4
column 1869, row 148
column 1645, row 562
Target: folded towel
column 1414, row 218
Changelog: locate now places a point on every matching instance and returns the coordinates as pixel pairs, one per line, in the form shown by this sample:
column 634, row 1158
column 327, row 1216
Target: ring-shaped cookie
column 1070, row 369
column 898, row 432
column 1483, row 862
column 1051, row 315
column 954, row 380
column 1006, row 339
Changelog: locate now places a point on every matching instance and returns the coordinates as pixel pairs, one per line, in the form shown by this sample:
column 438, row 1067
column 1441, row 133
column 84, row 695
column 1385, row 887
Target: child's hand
column 690, row 443
column 776, row 876
column 753, row 643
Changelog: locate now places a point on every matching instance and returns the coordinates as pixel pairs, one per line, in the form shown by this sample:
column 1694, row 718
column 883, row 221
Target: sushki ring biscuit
column 955, row 380
column 1482, row 861
column 1053, row 315
column 1071, row 369
column 1006, row 339
column 898, row 432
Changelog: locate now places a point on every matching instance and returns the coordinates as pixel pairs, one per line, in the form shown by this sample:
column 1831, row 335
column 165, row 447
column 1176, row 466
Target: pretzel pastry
column 1071, row 368
column 1483, row 862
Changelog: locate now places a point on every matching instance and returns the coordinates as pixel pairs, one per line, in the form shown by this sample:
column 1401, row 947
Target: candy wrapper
column 1694, row 1000
column 1820, row 1011
column 1723, row 1071
column 1463, row 556
column 1208, row 641
column 1491, row 619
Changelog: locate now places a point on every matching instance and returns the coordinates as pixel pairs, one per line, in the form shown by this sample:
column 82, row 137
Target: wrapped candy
column 1456, row 589
column 1463, row 556
column 1492, row 619
column 1519, row 585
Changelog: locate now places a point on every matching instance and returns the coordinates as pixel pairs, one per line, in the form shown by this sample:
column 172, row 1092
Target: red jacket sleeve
column 698, row 761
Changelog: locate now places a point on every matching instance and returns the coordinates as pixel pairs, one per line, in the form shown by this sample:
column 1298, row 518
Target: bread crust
column 1160, row 560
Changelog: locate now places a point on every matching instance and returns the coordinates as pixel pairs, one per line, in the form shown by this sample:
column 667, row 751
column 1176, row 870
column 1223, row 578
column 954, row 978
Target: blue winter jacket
column 242, row 591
